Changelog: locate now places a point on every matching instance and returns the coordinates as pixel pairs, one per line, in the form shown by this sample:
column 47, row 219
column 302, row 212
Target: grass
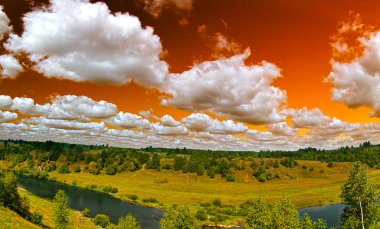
column 302, row 186
column 9, row 220
column 46, row 208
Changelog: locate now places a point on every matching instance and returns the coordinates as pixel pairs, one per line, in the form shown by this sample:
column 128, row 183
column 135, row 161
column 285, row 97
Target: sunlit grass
column 303, row 187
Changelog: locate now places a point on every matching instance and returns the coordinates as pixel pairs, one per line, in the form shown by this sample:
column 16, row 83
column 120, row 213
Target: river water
column 102, row 203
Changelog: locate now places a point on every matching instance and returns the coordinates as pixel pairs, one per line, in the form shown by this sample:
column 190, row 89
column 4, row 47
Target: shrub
column 217, row 202
column 111, row 170
column 101, row 220
column 150, row 200
column 110, row 189
column 201, row 214
column 64, row 168
column 77, row 169
column 133, row 197
column 211, row 173
column 330, row 164
column 86, row 212
column 262, row 178
column 230, row 178
column 36, row 217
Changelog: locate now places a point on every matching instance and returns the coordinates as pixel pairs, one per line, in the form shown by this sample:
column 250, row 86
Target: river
column 102, row 203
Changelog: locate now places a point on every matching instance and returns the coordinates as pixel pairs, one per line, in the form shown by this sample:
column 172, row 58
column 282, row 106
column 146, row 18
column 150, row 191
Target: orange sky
column 294, row 35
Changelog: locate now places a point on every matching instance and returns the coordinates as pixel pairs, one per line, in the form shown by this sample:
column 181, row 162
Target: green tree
column 362, row 205
column 257, row 214
column 61, row 211
column 179, row 217
column 128, row 222
column 306, row 222
column 102, row 220
column 285, row 215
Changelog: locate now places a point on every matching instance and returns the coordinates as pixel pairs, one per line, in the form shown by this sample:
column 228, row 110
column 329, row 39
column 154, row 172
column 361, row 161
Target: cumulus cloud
column 83, row 41
column 66, row 124
column 155, row 7
column 7, row 116
column 169, row 130
column 303, row 118
column 80, row 107
column 282, row 128
column 356, row 81
column 129, row 121
column 68, row 107
column 204, row 123
column 10, row 66
column 4, row 23
column 229, row 88
column 168, row 120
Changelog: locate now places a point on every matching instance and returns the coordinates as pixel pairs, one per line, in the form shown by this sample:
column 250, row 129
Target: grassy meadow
column 310, row 183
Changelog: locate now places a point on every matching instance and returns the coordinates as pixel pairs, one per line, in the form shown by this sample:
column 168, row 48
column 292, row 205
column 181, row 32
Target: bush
column 217, row 202
column 201, row 214
column 111, row 170
column 86, row 212
column 133, row 197
column 330, row 164
column 101, row 220
column 36, row 217
column 77, row 169
column 110, row 189
column 211, row 173
column 230, row 178
column 262, row 178
column 150, row 200
column 64, row 168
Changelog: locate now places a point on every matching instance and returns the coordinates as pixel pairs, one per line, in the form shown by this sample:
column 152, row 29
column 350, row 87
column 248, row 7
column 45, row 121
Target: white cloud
column 229, row 88
column 7, row 116
column 4, row 23
column 80, row 107
column 129, row 121
column 302, row 118
column 169, row 130
column 155, row 7
column 81, row 41
column 204, row 123
column 168, row 120
column 281, row 128
column 68, row 107
column 66, row 124
column 10, row 66
column 357, row 82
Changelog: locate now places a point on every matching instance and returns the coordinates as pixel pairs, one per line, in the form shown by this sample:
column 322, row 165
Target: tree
column 179, row 217
column 285, row 215
column 102, row 220
column 128, row 222
column 362, row 205
column 61, row 211
column 257, row 214
column 306, row 222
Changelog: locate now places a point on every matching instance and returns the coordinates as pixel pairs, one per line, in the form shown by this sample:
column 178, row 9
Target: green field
column 9, row 219
column 304, row 187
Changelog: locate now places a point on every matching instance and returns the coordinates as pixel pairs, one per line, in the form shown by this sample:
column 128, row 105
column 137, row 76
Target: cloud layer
column 79, row 119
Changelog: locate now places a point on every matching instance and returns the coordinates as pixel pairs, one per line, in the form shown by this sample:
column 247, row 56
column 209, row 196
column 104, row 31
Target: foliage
column 61, row 211
column 128, row 222
column 110, row 189
column 179, row 216
column 101, row 220
column 86, row 212
column 360, row 199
